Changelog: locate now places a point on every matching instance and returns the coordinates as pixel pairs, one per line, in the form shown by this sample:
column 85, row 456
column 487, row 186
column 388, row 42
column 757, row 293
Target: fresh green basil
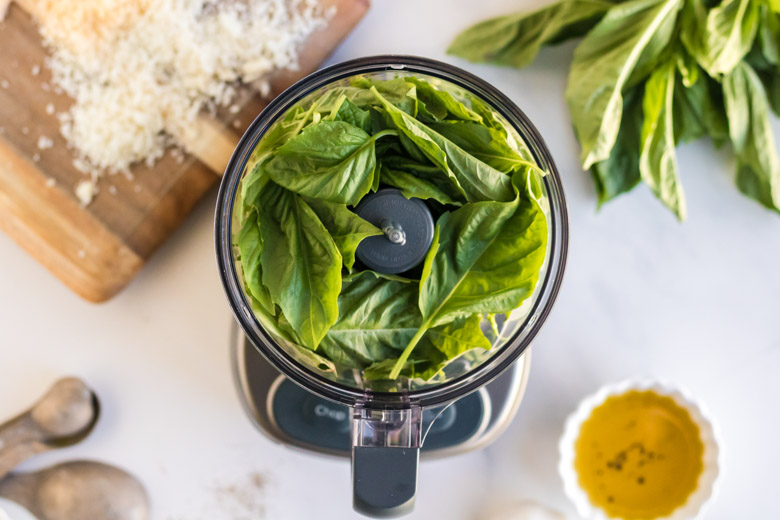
column 683, row 56
column 619, row 172
column 422, row 182
column 298, row 232
column 603, row 64
column 250, row 248
column 345, row 227
column 485, row 143
column 376, row 319
column 458, row 336
column 657, row 158
column 439, row 104
column 345, row 110
column 485, row 258
column 699, row 111
column 332, row 160
column 478, row 180
column 720, row 37
column 301, row 265
column 758, row 166
column 516, row 39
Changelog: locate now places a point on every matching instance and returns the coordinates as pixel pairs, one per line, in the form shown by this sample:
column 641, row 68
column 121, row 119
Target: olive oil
column 639, row 456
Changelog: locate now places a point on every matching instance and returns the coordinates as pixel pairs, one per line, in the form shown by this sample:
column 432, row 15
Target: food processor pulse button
column 407, row 227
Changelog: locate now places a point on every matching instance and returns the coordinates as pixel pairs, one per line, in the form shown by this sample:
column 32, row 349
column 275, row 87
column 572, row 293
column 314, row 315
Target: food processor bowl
column 387, row 416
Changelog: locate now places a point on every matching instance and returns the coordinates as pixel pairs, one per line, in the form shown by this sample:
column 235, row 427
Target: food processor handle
column 385, row 454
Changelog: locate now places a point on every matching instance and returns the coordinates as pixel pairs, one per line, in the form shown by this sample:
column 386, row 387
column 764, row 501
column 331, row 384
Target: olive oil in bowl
column 639, row 452
column 639, row 455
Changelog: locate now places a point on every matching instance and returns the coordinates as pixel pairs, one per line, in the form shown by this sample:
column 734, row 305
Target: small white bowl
column 706, row 488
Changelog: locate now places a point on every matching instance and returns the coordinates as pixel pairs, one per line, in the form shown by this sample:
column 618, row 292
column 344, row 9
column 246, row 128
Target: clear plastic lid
column 509, row 334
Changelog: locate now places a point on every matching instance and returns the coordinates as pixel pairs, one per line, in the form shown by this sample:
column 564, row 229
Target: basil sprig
column 651, row 73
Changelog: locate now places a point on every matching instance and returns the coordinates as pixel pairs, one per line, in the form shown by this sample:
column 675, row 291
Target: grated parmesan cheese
column 141, row 71
column 85, row 191
column 44, row 143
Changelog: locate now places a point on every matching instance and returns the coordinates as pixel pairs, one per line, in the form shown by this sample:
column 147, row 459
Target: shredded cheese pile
column 140, row 71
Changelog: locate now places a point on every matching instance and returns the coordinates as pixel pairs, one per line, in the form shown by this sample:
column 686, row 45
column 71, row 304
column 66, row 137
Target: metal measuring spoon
column 79, row 490
column 62, row 417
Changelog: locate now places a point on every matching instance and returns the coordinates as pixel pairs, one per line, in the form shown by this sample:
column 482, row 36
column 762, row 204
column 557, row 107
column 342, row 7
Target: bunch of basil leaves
column 298, row 235
column 649, row 74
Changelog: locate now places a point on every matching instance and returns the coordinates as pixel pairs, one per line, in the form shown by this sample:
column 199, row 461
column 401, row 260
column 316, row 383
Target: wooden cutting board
column 98, row 249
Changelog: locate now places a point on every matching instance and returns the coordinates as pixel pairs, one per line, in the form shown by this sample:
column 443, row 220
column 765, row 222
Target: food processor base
column 290, row 415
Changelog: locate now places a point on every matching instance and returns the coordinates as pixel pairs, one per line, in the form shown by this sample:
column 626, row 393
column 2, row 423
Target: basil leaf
column 440, row 104
column 699, row 111
column 377, row 317
column 424, row 184
column 350, row 113
column 657, row 160
column 397, row 91
column 492, row 119
column 478, row 180
column 771, row 82
column 515, row 39
column 719, row 37
column 688, row 68
column 758, row 167
column 250, row 247
column 485, row 258
column 619, row 173
column 301, row 263
column 769, row 36
column 458, row 336
column 331, row 160
column 485, row 143
column 603, row 64
column 280, row 132
column 345, row 227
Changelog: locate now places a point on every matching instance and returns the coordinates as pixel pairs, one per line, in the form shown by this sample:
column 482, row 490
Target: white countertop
column 696, row 304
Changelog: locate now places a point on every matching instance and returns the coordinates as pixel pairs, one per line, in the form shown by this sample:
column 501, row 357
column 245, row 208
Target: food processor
column 384, row 426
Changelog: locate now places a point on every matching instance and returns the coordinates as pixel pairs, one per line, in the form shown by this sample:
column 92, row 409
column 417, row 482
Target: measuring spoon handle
column 12, row 456
column 22, row 488
column 20, row 438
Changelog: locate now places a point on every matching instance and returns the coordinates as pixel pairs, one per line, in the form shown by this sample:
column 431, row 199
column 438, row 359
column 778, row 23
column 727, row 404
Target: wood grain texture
column 98, row 249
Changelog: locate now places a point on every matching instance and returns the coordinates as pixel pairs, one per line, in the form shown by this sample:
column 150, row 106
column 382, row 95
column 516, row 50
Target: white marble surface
column 696, row 304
